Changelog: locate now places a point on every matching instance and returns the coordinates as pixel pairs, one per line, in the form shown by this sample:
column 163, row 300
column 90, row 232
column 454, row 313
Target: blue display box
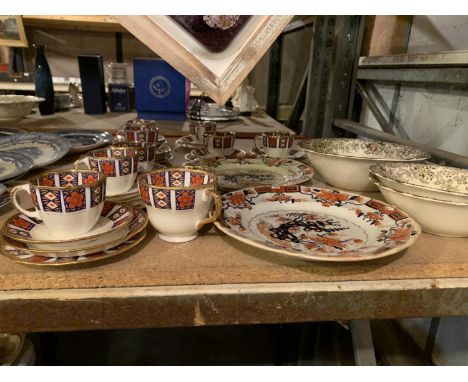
column 161, row 92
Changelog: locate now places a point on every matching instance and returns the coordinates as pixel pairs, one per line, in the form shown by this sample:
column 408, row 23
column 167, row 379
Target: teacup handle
column 23, row 187
column 218, row 209
column 81, row 161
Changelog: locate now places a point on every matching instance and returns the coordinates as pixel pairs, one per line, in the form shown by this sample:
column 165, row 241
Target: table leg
column 364, row 354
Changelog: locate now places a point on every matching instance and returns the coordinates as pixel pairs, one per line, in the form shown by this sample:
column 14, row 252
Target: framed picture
column 12, row 31
column 216, row 52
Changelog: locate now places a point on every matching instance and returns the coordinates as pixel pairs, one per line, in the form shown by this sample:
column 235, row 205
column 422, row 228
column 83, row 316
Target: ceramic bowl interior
column 17, row 106
column 364, row 149
column 430, row 176
column 178, row 178
column 68, row 179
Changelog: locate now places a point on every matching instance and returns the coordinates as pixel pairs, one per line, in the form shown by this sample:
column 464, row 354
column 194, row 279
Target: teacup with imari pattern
column 179, row 201
column 69, row 202
column 119, row 164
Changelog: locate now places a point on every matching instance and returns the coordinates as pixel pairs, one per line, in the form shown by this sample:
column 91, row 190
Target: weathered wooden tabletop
column 217, row 280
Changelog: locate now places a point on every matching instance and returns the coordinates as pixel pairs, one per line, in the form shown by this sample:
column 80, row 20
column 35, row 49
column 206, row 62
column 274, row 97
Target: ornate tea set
column 96, row 210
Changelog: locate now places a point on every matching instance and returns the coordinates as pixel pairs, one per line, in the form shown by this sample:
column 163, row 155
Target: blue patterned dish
column 42, row 148
column 13, row 164
column 85, row 140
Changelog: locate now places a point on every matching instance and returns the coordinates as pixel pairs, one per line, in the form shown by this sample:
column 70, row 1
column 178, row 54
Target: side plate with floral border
column 316, row 224
column 239, row 173
column 138, row 224
column 19, row 227
column 26, row 258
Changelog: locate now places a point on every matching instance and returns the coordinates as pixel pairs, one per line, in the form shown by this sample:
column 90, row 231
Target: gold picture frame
column 216, row 74
column 12, row 32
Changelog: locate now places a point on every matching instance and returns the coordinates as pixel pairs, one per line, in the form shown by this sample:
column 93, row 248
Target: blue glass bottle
column 43, row 81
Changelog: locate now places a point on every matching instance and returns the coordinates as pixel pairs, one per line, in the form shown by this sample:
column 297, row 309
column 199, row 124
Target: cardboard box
column 161, row 92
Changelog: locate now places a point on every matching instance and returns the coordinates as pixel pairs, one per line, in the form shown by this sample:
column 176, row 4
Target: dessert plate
column 85, row 140
column 240, row 173
column 200, row 153
column 138, row 223
column 187, row 142
column 13, row 164
column 292, row 154
column 27, row 258
column 42, row 148
column 114, row 217
column 4, row 198
column 316, row 224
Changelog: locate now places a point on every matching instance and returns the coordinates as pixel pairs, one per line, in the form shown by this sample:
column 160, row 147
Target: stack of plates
column 29, row 241
column 4, row 196
column 132, row 197
column 436, row 196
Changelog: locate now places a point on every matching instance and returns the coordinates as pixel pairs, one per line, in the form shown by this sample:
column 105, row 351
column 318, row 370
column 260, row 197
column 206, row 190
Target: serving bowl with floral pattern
column 424, row 179
column 435, row 216
column 345, row 162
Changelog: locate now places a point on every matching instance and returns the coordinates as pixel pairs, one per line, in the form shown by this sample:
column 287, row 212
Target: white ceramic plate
column 240, row 173
column 42, row 148
column 316, row 224
column 13, row 164
column 114, row 219
column 27, row 258
column 103, row 243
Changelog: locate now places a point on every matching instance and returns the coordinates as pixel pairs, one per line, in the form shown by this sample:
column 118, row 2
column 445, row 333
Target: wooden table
column 216, row 280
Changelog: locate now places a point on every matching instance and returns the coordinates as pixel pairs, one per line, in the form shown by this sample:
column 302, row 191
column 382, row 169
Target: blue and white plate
column 85, row 140
column 42, row 148
column 13, row 164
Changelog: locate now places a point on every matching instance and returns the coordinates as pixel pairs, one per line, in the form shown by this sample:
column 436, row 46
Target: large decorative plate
column 24, row 257
column 316, row 224
column 216, row 52
column 138, row 224
column 42, row 148
column 85, row 140
column 239, row 173
column 13, row 164
column 114, row 217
